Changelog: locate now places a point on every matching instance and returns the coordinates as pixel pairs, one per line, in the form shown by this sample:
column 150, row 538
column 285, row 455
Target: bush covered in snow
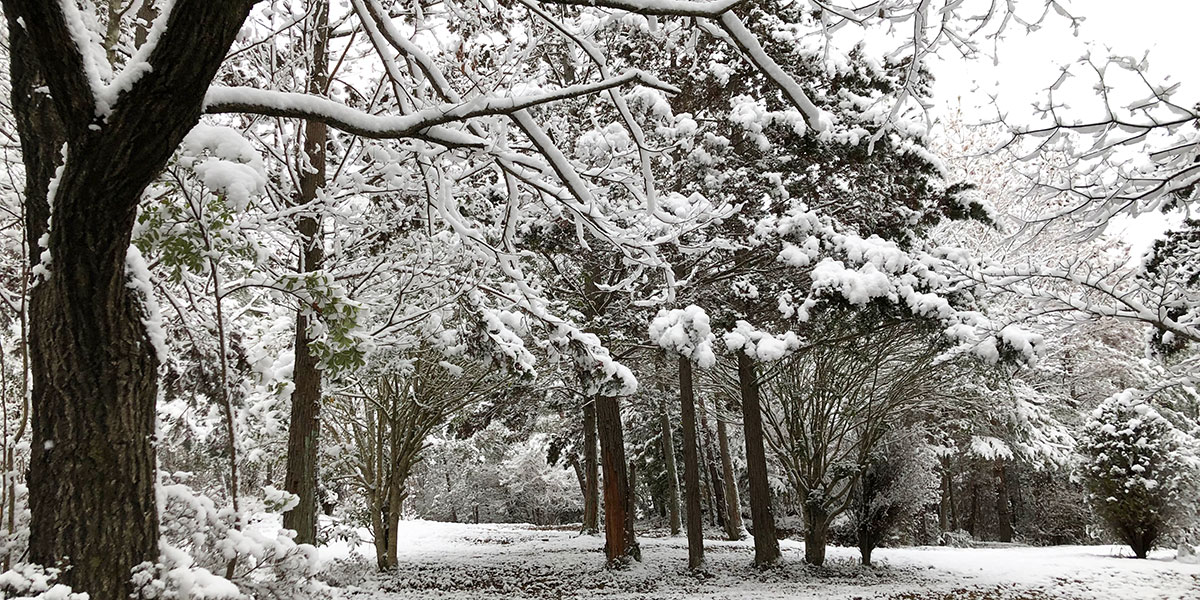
column 899, row 479
column 216, row 553
column 1140, row 470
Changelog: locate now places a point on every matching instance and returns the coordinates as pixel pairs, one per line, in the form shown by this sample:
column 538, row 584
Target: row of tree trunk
column 602, row 423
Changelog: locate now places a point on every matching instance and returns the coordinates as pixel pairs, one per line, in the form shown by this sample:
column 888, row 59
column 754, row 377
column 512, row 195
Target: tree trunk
column 379, row 525
column 668, row 446
column 865, row 547
column 691, row 466
column 944, row 506
column 620, row 544
column 972, row 518
column 395, row 506
column 94, row 365
column 713, row 472
column 1003, row 509
column 733, row 504
column 766, row 546
column 1141, row 540
column 816, row 535
column 591, row 471
column 954, row 517
column 304, row 426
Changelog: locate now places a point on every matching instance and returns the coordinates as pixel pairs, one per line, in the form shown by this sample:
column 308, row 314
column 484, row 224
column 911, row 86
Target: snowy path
column 443, row 560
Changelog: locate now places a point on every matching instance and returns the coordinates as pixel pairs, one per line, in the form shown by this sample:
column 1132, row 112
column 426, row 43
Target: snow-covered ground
column 449, row 560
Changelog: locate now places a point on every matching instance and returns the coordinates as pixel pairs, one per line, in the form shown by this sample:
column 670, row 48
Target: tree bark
column 865, row 547
column 304, row 426
column 1003, row 508
column 620, row 544
column 816, row 535
column 766, row 545
column 668, row 447
column 591, row 471
column 733, row 504
column 691, row 466
column 92, row 467
column 713, row 472
column 972, row 518
column 944, row 506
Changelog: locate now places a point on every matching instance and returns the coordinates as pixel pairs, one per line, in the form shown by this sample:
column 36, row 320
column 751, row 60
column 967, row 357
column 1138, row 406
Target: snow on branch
column 421, row 124
column 677, row 8
column 1127, row 156
column 749, row 45
column 686, row 332
column 1097, row 294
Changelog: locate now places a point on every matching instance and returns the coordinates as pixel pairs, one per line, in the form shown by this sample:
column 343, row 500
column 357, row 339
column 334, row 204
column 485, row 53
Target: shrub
column 1139, row 470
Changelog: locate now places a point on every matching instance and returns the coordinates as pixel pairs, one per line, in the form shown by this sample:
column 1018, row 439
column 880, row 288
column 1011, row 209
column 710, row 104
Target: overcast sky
column 1030, row 63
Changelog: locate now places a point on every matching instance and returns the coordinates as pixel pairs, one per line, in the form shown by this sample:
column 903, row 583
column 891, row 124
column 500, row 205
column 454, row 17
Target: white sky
column 1030, row 63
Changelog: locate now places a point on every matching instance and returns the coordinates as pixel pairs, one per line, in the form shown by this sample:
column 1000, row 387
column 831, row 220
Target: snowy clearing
column 450, row 560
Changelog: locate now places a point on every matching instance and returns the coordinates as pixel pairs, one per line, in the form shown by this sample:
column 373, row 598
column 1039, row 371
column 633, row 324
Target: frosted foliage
column 990, row 448
column 200, row 541
column 760, row 345
column 35, row 583
column 857, row 270
column 225, row 162
column 598, row 371
column 685, row 332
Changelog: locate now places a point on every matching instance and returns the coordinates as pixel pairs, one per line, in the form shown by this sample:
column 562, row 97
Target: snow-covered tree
column 1141, row 471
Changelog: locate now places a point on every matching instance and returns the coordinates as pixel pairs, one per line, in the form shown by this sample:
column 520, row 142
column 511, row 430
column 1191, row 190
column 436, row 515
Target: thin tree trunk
column 94, row 365
column 972, row 518
column 710, row 460
column 668, row 447
column 706, row 493
column 620, row 543
column 954, row 518
column 766, row 545
column 691, row 466
column 944, row 506
column 1003, row 509
column 733, row 504
column 591, row 471
column 395, row 507
column 304, row 426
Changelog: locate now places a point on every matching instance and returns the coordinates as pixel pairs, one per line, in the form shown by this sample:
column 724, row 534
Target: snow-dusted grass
column 447, row 560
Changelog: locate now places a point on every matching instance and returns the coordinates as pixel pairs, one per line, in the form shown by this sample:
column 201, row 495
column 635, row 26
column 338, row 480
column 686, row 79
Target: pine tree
column 1139, row 470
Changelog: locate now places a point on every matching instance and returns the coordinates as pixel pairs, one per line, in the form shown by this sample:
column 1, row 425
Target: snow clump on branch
column 686, row 332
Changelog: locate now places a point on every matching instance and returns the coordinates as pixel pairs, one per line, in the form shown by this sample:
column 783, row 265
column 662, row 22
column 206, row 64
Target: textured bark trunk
column 816, row 536
column 304, row 426
column 691, row 466
column 379, row 524
column 733, row 505
column 620, row 543
column 1003, row 510
column 954, row 518
column 668, row 448
column 591, row 471
column 395, row 507
column 92, row 466
column 766, row 545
